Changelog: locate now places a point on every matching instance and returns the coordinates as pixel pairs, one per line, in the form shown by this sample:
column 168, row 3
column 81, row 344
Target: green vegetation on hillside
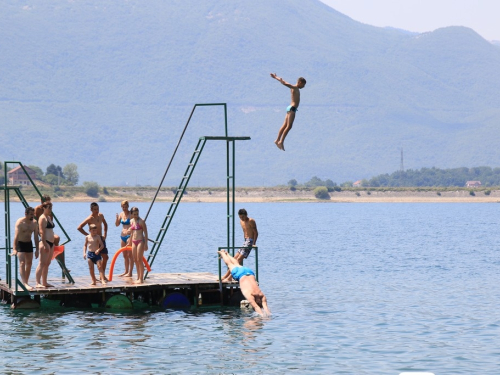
column 54, row 175
column 424, row 177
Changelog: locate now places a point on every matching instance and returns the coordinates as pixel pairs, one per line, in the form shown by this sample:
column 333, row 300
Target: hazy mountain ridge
column 116, row 81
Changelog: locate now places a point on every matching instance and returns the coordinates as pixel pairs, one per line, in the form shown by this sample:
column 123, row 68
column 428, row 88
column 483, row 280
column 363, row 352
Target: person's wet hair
column 45, row 198
column 28, row 210
column 242, row 211
column 302, row 79
column 125, row 203
column 93, row 204
column 92, row 226
column 134, row 209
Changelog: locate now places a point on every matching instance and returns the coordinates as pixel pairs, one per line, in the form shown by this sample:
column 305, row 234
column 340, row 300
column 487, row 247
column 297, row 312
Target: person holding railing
column 250, row 233
column 23, row 246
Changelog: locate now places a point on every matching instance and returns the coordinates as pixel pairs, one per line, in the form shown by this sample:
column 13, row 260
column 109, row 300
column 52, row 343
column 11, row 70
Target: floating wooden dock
column 168, row 290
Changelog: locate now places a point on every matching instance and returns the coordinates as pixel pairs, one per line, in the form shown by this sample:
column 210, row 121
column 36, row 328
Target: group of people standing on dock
column 134, row 234
column 37, row 227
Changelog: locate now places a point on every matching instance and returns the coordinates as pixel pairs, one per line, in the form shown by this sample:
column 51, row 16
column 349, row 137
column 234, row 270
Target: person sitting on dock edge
column 248, row 284
column 23, row 246
column 98, row 220
column 91, row 249
column 250, row 233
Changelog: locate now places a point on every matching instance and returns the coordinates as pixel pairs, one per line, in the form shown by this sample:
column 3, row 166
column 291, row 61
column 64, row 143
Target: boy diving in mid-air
column 291, row 109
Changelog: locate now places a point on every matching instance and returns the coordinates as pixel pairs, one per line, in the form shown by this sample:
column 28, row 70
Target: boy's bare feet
column 138, row 281
column 281, row 146
column 277, row 144
column 122, row 274
column 93, row 283
column 28, row 287
column 38, row 285
column 49, row 285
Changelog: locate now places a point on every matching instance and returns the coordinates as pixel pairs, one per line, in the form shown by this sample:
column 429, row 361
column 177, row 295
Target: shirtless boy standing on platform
column 98, row 220
column 250, row 233
column 291, row 109
column 93, row 246
column 23, row 246
column 248, row 285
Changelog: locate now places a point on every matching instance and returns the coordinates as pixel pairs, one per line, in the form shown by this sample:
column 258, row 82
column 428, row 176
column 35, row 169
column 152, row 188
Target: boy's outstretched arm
column 283, row 82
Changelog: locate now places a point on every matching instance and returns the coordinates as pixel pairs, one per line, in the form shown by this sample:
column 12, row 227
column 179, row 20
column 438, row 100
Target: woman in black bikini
column 46, row 229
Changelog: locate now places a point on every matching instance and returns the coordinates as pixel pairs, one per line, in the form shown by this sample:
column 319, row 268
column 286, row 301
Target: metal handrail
column 38, row 192
column 178, row 144
column 7, row 248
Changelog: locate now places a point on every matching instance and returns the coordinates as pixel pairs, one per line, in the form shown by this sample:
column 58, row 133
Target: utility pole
column 402, row 166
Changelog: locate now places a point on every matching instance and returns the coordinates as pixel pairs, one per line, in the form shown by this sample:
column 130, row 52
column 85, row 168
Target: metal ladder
column 230, row 141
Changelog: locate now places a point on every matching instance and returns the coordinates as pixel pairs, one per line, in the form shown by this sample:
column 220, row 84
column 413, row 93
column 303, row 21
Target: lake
column 365, row 288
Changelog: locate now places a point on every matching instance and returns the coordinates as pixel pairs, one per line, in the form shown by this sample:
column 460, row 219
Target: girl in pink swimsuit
column 139, row 237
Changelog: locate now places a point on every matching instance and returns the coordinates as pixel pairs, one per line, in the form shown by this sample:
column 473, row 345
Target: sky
column 425, row 15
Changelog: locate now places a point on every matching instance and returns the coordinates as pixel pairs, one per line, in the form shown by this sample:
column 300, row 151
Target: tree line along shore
column 267, row 194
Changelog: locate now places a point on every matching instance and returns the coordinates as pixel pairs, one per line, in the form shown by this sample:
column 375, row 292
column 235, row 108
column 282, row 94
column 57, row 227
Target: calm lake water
column 354, row 289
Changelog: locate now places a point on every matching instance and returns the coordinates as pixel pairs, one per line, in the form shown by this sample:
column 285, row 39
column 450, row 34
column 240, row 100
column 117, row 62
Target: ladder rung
column 197, row 151
column 185, row 177
column 162, row 229
column 228, row 177
column 190, row 164
column 180, row 189
column 150, row 240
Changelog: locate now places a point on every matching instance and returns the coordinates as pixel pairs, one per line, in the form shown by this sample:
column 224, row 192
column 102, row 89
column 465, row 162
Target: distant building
column 473, row 184
column 17, row 176
column 357, row 184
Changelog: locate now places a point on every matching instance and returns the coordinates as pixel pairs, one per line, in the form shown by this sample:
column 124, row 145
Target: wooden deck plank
column 154, row 281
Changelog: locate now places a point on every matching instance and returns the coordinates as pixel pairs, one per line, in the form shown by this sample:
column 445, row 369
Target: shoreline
column 275, row 194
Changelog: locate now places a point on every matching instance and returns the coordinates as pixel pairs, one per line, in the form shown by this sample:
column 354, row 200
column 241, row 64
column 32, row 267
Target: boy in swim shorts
column 26, row 228
column 97, row 218
column 248, row 285
column 91, row 251
column 291, row 109
column 250, row 233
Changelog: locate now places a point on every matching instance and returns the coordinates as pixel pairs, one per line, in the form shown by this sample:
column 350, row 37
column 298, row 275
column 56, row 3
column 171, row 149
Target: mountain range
column 109, row 85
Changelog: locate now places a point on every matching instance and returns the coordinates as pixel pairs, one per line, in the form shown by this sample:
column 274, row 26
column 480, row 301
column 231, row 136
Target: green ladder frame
column 179, row 193
column 230, row 183
column 8, row 238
